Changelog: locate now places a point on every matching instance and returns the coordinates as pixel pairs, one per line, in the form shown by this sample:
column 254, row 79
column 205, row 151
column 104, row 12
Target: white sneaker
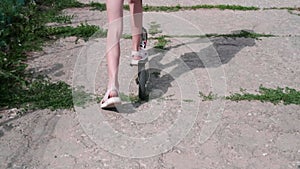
column 110, row 102
column 141, row 53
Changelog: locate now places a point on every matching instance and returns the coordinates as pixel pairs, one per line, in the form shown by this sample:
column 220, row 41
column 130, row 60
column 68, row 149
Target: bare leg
column 115, row 20
column 136, row 12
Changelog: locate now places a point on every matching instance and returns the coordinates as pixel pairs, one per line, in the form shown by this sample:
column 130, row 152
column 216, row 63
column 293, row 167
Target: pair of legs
column 115, row 28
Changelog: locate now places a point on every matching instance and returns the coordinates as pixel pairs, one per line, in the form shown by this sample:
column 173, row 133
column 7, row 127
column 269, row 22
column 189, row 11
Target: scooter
column 143, row 75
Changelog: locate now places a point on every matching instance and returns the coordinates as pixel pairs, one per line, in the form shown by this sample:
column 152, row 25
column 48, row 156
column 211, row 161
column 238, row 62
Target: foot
column 137, row 56
column 111, row 99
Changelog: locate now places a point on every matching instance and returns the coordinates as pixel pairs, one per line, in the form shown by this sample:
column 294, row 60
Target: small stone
column 178, row 151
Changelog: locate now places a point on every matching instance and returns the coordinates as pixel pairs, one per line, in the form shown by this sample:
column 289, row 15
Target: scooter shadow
column 225, row 47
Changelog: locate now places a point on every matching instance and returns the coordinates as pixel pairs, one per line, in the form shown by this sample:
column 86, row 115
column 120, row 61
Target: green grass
column 130, row 98
column 98, row 6
column 59, row 4
column 278, row 95
column 23, row 29
column 149, row 8
column 293, row 13
column 82, row 98
column 188, row 100
column 63, row 4
column 289, row 9
column 82, row 31
column 126, row 36
column 161, row 42
column 62, row 19
column 208, row 97
column 40, row 94
column 44, row 94
column 283, row 8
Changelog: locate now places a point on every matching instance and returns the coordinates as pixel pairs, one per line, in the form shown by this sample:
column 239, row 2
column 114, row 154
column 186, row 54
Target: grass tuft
column 62, row 19
column 98, row 6
column 293, row 13
column 126, row 36
column 279, row 95
column 83, row 31
column 161, row 42
column 129, row 98
column 208, row 97
column 188, row 100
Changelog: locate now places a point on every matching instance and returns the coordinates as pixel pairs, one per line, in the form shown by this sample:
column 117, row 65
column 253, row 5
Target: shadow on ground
column 221, row 51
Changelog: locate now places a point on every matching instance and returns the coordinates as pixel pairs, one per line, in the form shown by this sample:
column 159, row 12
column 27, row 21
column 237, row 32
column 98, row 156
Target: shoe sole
column 111, row 103
column 136, row 62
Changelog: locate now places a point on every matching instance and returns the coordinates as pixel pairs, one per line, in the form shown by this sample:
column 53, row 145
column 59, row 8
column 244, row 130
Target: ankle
column 113, row 86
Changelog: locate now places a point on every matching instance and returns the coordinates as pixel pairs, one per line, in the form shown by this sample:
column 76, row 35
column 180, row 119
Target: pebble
column 178, row 151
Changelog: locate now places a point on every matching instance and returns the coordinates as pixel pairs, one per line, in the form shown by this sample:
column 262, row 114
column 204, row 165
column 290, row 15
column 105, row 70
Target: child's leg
column 136, row 11
column 115, row 20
